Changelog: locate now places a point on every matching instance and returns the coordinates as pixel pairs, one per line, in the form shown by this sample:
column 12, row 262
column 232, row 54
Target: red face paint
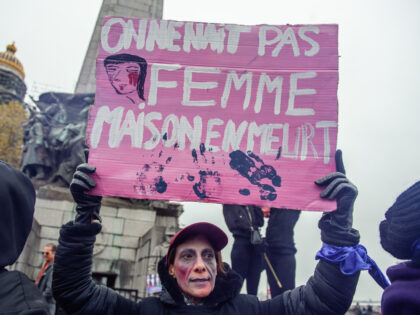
column 133, row 77
column 195, row 267
column 124, row 77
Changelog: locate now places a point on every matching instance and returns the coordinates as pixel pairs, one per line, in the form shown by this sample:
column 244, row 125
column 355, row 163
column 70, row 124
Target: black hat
column 401, row 228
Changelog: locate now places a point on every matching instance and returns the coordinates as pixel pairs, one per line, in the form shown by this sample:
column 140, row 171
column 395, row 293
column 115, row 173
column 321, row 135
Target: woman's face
column 195, row 268
column 123, row 76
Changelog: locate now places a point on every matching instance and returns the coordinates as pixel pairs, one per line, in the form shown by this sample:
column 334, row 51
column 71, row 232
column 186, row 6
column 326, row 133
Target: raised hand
column 88, row 206
column 336, row 226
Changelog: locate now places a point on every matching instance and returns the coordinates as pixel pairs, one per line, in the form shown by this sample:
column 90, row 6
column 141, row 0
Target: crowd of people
column 194, row 278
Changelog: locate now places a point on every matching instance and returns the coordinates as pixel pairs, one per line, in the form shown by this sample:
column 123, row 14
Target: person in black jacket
column 400, row 236
column 246, row 258
column 18, row 294
column 281, row 249
column 44, row 279
column 194, row 279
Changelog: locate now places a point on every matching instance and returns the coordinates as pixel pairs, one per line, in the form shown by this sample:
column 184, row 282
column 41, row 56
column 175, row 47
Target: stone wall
column 147, row 243
column 30, row 259
column 119, row 247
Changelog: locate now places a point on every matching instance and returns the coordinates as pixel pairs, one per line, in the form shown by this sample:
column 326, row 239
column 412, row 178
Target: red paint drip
column 133, row 77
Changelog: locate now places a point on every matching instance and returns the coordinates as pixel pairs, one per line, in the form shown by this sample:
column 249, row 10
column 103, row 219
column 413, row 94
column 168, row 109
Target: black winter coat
column 45, row 284
column 327, row 292
column 19, row 295
column 238, row 219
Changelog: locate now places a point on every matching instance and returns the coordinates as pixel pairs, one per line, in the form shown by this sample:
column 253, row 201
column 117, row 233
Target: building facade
column 12, row 76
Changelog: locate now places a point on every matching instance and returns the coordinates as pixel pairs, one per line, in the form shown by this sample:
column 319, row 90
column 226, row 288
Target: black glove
column 336, row 226
column 88, row 206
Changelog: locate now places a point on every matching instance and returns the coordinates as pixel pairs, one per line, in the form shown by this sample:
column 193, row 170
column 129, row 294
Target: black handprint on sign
column 200, row 188
column 253, row 168
column 205, row 187
column 159, row 184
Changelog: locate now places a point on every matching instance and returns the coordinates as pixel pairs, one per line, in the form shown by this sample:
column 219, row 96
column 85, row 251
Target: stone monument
column 54, row 144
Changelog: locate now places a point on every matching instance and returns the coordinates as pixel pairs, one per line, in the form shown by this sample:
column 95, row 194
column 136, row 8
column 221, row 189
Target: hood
column 402, row 296
column 226, row 287
column 17, row 204
column 19, row 295
column 404, row 271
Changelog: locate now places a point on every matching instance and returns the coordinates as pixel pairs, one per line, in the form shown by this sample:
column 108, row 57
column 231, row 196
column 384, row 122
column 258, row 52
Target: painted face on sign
column 124, row 77
column 195, row 268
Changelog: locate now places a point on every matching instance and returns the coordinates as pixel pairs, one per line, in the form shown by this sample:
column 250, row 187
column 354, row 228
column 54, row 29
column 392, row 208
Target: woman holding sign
column 194, row 278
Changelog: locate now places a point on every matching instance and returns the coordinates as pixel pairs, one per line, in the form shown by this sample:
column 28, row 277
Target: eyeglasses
column 45, row 253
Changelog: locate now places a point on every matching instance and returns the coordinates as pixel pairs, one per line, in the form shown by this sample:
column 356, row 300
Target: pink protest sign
column 216, row 113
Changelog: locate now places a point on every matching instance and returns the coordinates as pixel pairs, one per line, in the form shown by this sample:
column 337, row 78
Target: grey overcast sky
column 379, row 71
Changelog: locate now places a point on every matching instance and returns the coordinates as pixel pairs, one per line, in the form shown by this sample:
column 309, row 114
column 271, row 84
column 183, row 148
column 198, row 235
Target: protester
column 18, row 294
column 246, row 258
column 44, row 279
column 400, row 236
column 194, row 278
column 281, row 249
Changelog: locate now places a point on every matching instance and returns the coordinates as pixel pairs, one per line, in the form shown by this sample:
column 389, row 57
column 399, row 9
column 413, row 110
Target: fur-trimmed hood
column 226, row 287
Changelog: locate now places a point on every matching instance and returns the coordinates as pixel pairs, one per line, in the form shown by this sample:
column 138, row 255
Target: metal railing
column 132, row 294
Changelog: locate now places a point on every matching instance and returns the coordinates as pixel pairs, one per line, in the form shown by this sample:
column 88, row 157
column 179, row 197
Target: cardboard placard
column 219, row 113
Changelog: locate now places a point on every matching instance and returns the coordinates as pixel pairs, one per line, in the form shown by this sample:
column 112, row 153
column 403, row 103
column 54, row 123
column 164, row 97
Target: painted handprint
column 253, row 168
column 209, row 180
column 154, row 169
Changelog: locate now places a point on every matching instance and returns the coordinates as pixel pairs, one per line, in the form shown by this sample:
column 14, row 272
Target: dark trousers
column 248, row 262
column 281, row 249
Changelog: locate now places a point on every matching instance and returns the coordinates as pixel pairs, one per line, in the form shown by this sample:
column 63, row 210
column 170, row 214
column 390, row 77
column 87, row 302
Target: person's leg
column 51, row 307
column 285, row 268
column 254, row 270
column 240, row 256
column 281, row 249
